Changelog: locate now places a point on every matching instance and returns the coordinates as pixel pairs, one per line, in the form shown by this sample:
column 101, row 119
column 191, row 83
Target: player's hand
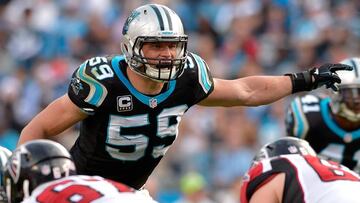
column 326, row 75
column 317, row 77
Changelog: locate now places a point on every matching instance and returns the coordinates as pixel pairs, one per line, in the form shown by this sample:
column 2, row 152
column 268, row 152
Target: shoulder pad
column 297, row 123
column 92, row 73
column 203, row 73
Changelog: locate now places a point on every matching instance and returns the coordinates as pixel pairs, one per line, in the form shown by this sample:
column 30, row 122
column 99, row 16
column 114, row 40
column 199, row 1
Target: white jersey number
column 138, row 143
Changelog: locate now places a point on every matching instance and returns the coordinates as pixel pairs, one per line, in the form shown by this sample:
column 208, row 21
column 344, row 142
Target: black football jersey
column 309, row 117
column 127, row 132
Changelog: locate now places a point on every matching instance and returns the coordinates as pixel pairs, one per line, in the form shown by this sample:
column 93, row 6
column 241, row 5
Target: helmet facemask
column 346, row 102
column 159, row 69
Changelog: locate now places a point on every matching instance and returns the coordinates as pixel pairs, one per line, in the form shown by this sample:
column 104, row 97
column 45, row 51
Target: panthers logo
column 132, row 16
column 76, row 85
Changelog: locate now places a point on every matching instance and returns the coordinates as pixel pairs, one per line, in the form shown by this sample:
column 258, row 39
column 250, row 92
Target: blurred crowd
column 43, row 41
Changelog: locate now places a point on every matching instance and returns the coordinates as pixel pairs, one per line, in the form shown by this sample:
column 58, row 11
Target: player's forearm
column 54, row 119
column 42, row 126
column 248, row 91
column 261, row 90
column 31, row 132
column 45, row 127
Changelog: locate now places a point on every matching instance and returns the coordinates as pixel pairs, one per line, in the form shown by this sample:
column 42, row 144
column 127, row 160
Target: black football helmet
column 283, row 146
column 34, row 163
column 4, row 156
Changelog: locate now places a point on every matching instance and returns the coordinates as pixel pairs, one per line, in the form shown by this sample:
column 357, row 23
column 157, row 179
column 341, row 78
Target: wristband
column 300, row 81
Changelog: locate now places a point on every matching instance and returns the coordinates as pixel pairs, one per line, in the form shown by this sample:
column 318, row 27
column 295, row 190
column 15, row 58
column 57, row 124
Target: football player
column 4, row 156
column 331, row 124
column 288, row 171
column 42, row 171
column 130, row 105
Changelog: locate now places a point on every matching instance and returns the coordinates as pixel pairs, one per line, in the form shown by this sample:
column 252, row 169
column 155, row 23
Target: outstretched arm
column 54, row 119
column 248, row 91
column 260, row 90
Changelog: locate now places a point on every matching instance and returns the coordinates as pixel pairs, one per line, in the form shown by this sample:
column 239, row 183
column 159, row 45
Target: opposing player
column 34, row 163
column 332, row 124
column 4, row 156
column 42, row 171
column 288, row 170
column 130, row 105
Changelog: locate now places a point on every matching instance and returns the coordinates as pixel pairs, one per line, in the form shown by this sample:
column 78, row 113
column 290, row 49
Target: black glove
column 317, row 77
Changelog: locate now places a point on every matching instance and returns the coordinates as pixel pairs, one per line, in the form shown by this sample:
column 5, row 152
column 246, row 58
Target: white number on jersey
column 115, row 137
column 100, row 72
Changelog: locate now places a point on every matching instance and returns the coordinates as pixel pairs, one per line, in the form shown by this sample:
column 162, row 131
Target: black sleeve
column 204, row 84
column 85, row 89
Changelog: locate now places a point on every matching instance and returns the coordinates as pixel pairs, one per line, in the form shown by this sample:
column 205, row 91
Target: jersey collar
column 150, row 101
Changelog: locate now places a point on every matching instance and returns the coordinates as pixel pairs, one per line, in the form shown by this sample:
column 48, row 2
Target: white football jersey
column 308, row 179
column 86, row 189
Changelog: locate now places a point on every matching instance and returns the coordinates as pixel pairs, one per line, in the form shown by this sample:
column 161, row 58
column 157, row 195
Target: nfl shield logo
column 153, row 103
